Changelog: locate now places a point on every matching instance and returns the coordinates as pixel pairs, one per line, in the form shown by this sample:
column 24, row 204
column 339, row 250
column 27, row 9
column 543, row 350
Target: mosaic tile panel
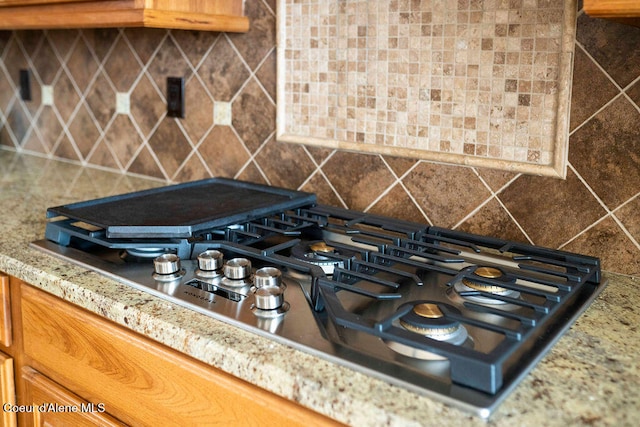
column 481, row 82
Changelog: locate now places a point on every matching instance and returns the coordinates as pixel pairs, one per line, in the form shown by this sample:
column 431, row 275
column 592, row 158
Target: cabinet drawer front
column 139, row 380
column 5, row 311
column 43, row 393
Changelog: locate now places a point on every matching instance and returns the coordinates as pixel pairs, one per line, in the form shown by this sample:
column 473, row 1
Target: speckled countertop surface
column 590, row 377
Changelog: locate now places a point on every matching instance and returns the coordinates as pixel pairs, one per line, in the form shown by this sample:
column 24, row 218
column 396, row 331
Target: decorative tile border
column 480, row 83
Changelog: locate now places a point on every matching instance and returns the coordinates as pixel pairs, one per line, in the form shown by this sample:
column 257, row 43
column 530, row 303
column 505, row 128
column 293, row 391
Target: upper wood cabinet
column 625, row 11
column 205, row 15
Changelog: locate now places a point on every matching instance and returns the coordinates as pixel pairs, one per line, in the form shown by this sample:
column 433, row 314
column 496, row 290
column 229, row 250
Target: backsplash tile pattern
column 593, row 211
column 476, row 82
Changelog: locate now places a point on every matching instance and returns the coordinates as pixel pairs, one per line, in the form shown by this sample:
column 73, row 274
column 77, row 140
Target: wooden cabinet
column 54, row 405
column 67, row 356
column 625, row 11
column 7, row 390
column 206, row 15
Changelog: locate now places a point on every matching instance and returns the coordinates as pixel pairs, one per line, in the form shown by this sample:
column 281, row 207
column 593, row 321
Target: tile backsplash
column 474, row 82
column 98, row 98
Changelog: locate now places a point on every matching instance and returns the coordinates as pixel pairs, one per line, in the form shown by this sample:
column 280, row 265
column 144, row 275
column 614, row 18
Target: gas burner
column 485, row 280
column 432, row 320
column 142, row 254
column 314, row 253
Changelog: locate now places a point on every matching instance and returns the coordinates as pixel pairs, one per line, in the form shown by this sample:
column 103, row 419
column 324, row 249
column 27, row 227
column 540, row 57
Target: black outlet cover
column 175, row 97
column 25, row 85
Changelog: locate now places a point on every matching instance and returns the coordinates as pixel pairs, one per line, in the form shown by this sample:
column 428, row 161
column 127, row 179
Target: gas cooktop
column 456, row 316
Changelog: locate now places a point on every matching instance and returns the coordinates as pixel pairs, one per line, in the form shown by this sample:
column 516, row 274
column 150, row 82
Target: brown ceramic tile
column 84, row 131
column 252, row 174
column 18, row 121
column 591, row 89
column 198, row 110
column 267, row 75
column 285, row 165
column 319, row 154
column 46, row 63
column 613, row 45
column 496, row 179
column 6, row 92
column 318, row 185
column 123, row 139
column 358, row 178
column 82, row 65
column 445, row 193
column 147, row 108
column 170, row 146
column 634, row 93
column 493, row 220
column 14, row 60
column 62, row 41
column 261, row 37
column 65, row 149
column 5, row 138
column 101, row 100
column 122, row 67
column 398, row 204
column 223, row 152
column 620, row 255
column 223, row 72
column 101, row 40
column 145, row 164
column 628, row 215
column 49, row 127
column 604, row 152
column 31, row 40
column 193, row 169
column 4, row 40
column 254, row 128
column 195, row 44
column 102, row 156
column 168, row 62
column 551, row 211
column 65, row 96
column 145, row 41
column 400, row 165
column 32, row 142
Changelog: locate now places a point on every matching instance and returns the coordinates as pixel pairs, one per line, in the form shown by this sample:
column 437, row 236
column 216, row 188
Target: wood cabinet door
column 142, row 382
column 53, row 405
column 5, row 311
column 7, row 390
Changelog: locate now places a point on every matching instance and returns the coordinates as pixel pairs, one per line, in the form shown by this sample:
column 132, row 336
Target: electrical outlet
column 175, row 97
column 25, row 85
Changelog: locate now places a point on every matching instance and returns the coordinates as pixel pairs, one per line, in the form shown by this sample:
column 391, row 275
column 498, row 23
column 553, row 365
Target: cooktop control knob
column 237, row 272
column 267, row 276
column 166, row 267
column 210, row 264
column 269, row 297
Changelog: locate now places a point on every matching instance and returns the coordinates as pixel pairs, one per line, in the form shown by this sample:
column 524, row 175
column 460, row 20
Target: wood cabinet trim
column 5, row 311
column 7, row 389
column 220, row 15
column 612, row 8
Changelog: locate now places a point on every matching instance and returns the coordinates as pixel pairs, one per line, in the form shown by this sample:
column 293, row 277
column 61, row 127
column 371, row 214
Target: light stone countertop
column 590, row 377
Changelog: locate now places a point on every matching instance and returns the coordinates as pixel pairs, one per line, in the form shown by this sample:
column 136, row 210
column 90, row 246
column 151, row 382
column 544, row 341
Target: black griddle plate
column 179, row 211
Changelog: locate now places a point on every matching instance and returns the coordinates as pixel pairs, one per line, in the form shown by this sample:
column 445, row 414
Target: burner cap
column 487, row 273
column 311, row 252
column 427, row 318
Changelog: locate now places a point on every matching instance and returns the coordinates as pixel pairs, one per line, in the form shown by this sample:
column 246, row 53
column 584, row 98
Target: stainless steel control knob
column 210, row 260
column 237, row 269
column 166, row 268
column 166, row 264
column 269, row 297
column 267, row 276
